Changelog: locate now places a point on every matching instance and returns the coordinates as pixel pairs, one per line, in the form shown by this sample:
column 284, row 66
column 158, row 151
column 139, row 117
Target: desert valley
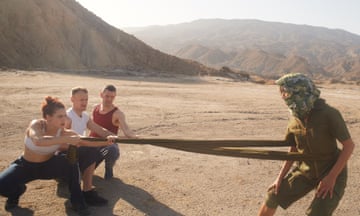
column 158, row 181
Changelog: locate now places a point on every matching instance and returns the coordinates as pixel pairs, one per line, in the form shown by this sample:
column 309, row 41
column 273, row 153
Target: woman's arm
column 36, row 132
column 71, row 133
column 110, row 140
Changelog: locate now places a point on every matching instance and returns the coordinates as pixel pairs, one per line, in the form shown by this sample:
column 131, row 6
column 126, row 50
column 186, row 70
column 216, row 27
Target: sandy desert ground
column 157, row 181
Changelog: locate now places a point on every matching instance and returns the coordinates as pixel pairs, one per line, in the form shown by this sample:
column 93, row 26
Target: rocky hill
column 263, row 48
column 61, row 34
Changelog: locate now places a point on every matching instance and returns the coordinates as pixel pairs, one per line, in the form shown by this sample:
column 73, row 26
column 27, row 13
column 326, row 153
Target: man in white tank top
column 79, row 121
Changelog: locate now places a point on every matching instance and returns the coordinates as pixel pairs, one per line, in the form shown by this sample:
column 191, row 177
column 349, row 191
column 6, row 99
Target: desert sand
column 157, row 181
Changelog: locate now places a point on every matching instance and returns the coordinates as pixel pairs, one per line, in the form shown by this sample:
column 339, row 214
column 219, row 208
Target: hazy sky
column 335, row 14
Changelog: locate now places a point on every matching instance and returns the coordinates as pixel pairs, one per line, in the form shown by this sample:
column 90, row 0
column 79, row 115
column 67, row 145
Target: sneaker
column 12, row 203
column 81, row 209
column 93, row 199
column 108, row 173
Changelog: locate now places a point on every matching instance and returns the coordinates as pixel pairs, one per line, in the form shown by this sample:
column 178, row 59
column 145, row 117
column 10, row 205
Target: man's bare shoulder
column 94, row 106
column 118, row 112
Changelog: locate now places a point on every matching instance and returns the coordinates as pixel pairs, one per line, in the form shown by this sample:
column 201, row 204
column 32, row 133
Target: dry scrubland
column 157, row 181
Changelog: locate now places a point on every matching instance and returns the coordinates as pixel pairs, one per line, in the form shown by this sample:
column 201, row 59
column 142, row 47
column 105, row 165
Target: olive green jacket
column 318, row 135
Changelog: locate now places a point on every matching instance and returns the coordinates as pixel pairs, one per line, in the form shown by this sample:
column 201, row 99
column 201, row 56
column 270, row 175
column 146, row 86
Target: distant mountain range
column 61, row 34
column 264, row 48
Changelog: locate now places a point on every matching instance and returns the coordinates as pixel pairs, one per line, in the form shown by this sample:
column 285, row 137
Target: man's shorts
column 295, row 186
column 88, row 156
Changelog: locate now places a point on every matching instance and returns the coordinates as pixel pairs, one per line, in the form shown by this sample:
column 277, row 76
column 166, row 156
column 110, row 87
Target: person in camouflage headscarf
column 315, row 129
column 299, row 93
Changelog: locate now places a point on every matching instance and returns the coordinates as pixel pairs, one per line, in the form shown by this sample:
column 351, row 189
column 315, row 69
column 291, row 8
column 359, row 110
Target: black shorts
column 88, row 156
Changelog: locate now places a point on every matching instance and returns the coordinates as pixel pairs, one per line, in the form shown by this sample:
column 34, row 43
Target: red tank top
column 104, row 120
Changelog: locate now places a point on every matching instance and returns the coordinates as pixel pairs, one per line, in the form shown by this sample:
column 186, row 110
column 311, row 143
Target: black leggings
column 20, row 172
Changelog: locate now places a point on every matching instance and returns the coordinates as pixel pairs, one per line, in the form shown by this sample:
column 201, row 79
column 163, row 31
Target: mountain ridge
column 319, row 47
column 66, row 36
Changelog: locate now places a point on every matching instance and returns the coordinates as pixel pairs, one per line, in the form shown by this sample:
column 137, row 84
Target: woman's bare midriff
column 34, row 157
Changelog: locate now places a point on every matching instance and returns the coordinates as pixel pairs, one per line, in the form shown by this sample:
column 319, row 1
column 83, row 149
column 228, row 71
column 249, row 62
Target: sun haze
column 137, row 13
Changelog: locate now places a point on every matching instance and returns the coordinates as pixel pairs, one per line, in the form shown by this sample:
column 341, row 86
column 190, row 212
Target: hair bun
column 49, row 100
column 50, row 105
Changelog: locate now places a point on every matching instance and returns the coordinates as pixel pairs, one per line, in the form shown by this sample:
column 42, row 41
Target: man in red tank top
column 109, row 116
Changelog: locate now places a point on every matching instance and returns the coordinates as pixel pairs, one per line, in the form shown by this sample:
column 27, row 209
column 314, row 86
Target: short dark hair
column 78, row 89
column 109, row 88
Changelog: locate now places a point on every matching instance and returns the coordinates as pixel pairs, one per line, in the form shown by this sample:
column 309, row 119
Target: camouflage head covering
column 301, row 93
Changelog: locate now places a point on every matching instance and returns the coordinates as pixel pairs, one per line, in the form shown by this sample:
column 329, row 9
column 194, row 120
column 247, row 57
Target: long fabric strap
column 231, row 148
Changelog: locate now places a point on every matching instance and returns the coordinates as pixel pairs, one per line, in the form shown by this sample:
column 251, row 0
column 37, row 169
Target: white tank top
column 78, row 124
column 43, row 150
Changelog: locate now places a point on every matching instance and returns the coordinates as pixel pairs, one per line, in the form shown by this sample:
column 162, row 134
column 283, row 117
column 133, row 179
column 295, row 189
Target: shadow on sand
column 115, row 189
column 19, row 211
